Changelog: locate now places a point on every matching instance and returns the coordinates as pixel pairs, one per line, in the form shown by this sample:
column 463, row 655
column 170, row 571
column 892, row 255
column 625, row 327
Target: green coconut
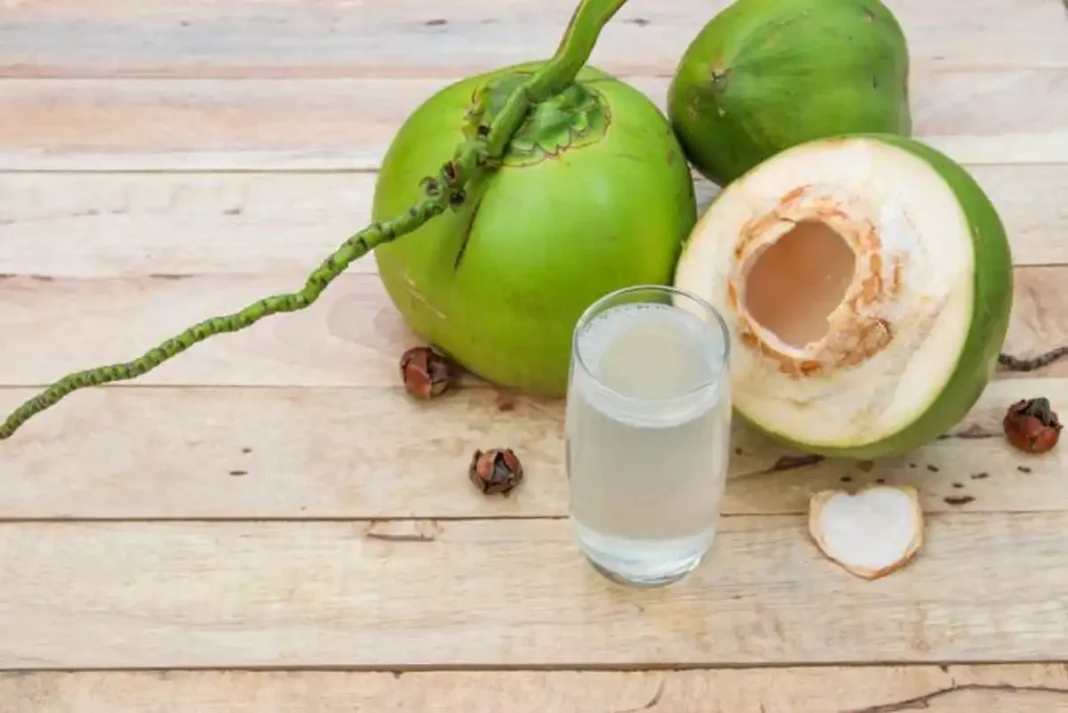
column 867, row 283
column 764, row 75
column 593, row 194
column 515, row 199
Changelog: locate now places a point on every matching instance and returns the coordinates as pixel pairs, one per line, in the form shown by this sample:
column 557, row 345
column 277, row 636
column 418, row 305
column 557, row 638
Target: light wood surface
column 1022, row 688
column 206, row 223
column 407, row 38
column 138, row 124
column 513, row 593
column 352, row 336
column 272, row 499
column 220, row 453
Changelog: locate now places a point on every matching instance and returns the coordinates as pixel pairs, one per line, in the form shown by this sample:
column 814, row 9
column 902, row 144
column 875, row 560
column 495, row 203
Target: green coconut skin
column 991, row 304
column 764, row 75
column 499, row 284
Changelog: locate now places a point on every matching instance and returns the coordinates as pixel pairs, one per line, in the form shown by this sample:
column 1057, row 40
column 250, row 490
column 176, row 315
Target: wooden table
column 267, row 523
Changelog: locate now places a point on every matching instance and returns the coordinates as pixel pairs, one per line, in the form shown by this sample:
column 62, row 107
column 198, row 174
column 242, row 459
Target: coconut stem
column 1014, row 363
column 472, row 158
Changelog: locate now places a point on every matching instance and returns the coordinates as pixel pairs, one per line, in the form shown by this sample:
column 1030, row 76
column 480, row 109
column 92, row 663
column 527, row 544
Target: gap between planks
column 400, row 671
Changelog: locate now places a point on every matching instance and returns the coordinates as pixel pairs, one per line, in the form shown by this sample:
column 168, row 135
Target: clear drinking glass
column 648, row 432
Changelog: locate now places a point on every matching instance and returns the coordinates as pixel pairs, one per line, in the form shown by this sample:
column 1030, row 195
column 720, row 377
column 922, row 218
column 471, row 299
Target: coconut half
column 867, row 284
column 870, row 533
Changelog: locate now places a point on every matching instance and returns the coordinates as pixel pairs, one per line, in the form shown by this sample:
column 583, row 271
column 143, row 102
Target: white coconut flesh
column 844, row 270
column 870, row 533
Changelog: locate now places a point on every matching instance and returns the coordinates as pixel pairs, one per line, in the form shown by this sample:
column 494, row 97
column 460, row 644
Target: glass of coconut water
column 648, row 429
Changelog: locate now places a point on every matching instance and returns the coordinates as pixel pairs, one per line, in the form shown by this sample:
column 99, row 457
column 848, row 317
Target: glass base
column 643, row 563
column 643, row 581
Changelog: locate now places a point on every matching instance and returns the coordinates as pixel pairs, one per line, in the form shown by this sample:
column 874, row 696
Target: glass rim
column 598, row 306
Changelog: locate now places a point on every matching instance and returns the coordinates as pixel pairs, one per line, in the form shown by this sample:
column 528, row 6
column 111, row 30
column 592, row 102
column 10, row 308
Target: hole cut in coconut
column 870, row 533
column 795, row 283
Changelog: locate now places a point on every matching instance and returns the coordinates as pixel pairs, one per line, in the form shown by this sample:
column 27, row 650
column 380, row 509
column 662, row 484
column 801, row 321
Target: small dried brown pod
column 1032, row 426
column 425, row 372
column 497, row 470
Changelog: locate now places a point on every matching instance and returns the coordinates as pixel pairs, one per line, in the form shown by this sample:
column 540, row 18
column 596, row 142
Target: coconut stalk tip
column 870, row 533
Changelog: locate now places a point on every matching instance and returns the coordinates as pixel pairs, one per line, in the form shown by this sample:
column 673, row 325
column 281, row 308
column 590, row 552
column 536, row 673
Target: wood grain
column 387, row 38
column 514, row 593
column 352, row 336
column 106, row 225
column 132, row 224
column 1020, row 688
column 347, row 123
column 149, row 453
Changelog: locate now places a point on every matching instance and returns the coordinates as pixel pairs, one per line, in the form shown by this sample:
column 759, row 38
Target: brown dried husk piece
column 426, row 374
column 497, row 470
column 885, row 520
column 1032, row 426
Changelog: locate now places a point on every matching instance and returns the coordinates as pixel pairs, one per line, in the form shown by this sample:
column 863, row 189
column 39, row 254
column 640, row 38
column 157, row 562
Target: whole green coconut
column 764, row 75
column 593, row 194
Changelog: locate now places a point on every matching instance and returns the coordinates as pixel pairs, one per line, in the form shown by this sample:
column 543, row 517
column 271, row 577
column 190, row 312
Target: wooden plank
column 514, row 593
column 372, row 453
column 93, row 225
column 347, row 123
column 291, row 38
column 352, row 336
column 183, row 123
column 128, row 224
column 1020, row 688
column 1023, row 148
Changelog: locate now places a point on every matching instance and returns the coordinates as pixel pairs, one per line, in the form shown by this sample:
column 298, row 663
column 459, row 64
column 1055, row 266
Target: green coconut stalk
column 473, row 158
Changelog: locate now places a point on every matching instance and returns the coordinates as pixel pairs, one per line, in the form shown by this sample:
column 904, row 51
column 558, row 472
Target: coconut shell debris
column 870, row 533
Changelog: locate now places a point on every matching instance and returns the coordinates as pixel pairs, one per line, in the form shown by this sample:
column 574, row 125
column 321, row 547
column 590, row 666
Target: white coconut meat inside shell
column 844, row 270
column 871, row 533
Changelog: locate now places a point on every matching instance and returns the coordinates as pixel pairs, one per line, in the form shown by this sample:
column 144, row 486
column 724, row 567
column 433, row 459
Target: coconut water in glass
column 648, row 429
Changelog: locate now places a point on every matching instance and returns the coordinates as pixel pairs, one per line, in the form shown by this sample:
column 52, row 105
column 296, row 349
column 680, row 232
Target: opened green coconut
column 593, row 194
column 867, row 283
column 764, row 75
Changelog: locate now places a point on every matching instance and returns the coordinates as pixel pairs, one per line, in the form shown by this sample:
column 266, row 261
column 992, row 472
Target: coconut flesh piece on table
column 872, row 532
